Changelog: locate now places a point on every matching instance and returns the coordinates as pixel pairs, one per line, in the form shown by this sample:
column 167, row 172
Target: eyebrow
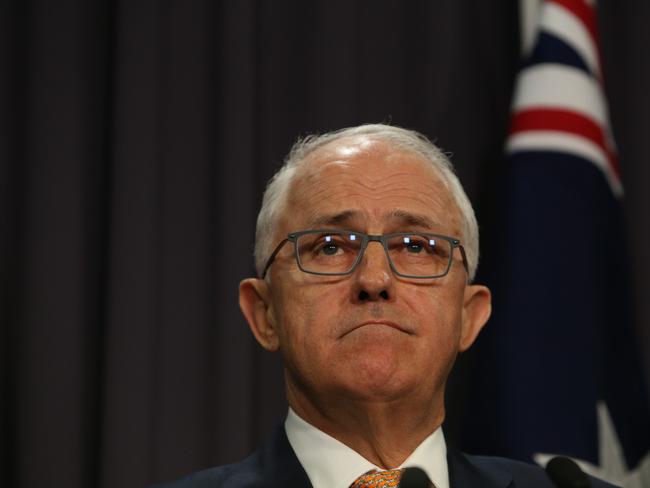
column 334, row 219
column 402, row 216
column 417, row 220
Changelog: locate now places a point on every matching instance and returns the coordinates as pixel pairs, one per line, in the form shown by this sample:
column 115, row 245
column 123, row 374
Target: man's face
column 370, row 335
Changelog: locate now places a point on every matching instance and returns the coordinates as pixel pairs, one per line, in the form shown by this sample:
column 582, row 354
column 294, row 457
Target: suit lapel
column 467, row 473
column 279, row 465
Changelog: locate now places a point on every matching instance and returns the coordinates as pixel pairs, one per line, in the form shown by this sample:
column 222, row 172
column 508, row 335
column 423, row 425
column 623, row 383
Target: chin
column 378, row 379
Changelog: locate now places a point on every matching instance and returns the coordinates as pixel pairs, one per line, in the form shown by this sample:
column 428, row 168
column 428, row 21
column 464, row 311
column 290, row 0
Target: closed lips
column 386, row 323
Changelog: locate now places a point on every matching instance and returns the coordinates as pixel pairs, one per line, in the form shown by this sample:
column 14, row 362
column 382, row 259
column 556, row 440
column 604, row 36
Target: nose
column 373, row 276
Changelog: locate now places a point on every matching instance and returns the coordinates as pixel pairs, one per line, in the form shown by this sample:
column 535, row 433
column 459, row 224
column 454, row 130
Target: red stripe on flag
column 586, row 13
column 559, row 120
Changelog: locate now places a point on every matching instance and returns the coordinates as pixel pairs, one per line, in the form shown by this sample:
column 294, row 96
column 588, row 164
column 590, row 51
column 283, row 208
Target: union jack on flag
column 559, row 360
column 559, row 104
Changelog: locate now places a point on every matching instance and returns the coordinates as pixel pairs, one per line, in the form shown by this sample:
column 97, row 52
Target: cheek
column 439, row 316
column 305, row 320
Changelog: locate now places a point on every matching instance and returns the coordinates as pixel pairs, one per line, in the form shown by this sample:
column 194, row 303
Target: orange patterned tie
column 378, row 479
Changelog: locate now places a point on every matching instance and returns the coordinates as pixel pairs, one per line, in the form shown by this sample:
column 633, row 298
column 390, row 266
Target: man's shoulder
column 510, row 472
column 273, row 465
column 503, row 471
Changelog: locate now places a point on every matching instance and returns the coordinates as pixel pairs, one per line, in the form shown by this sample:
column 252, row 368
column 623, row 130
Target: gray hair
column 277, row 190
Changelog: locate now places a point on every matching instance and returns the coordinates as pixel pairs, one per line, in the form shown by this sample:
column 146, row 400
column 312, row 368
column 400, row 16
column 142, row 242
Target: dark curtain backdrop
column 136, row 138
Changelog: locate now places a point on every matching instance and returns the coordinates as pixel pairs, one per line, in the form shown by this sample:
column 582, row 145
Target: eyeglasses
column 338, row 252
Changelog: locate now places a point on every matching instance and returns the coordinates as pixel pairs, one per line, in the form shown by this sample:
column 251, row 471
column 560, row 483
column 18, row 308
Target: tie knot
column 378, row 479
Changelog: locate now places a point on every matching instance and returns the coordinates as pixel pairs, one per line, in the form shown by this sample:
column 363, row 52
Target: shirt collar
column 331, row 464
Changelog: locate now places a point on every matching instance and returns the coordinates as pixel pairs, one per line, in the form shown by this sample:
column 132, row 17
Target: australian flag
column 558, row 368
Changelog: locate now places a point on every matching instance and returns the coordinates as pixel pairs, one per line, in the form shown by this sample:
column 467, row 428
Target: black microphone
column 414, row 478
column 566, row 474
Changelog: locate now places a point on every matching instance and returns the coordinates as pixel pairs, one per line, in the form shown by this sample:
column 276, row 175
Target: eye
column 329, row 249
column 328, row 245
column 413, row 245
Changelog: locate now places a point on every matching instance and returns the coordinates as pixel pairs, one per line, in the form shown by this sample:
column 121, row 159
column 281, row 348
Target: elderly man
column 366, row 249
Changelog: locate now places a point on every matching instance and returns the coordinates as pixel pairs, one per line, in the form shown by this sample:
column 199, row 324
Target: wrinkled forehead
column 354, row 168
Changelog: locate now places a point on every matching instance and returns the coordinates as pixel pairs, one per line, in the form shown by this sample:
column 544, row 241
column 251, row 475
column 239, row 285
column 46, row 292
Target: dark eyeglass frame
column 365, row 239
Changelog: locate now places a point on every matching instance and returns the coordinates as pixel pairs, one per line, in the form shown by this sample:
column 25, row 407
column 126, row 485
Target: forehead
column 369, row 183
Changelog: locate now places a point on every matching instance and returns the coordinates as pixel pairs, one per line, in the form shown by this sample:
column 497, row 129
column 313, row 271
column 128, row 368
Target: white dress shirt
column 331, row 464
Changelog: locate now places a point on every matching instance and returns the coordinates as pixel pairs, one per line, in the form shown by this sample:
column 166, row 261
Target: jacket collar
column 471, row 471
column 278, row 463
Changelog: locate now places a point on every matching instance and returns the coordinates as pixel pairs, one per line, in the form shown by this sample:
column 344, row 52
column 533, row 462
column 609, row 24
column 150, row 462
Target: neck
column 383, row 432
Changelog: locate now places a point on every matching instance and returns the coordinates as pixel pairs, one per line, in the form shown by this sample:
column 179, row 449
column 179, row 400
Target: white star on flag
column 612, row 466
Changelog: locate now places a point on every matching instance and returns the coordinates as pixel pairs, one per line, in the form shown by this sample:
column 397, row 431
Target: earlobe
column 255, row 304
column 477, row 307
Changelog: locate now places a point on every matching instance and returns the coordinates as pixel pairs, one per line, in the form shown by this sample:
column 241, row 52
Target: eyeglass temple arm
column 462, row 253
column 272, row 257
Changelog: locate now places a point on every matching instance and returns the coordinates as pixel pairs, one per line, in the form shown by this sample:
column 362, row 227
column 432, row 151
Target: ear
column 477, row 307
column 255, row 304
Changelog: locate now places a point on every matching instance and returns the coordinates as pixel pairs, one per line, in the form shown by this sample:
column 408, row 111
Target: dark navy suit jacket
column 275, row 465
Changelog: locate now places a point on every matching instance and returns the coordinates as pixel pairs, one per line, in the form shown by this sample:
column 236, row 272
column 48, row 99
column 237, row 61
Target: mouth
column 385, row 323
